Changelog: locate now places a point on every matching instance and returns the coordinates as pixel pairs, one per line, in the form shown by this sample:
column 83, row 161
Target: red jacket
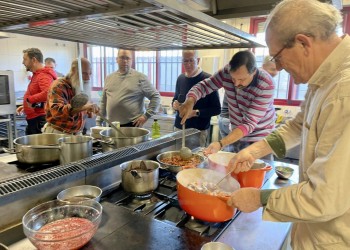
column 37, row 92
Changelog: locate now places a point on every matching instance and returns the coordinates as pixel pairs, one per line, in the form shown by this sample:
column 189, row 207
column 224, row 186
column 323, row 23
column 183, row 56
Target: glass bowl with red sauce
column 61, row 225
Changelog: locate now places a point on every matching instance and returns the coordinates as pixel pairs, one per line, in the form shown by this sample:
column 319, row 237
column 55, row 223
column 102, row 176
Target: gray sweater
column 123, row 97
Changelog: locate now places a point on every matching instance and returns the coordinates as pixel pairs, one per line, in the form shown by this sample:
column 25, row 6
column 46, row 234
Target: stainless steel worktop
column 247, row 232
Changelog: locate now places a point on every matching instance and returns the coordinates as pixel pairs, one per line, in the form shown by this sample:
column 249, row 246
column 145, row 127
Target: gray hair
column 194, row 52
column 308, row 17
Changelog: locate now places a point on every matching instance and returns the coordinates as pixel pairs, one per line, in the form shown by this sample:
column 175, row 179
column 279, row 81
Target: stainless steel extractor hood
column 128, row 24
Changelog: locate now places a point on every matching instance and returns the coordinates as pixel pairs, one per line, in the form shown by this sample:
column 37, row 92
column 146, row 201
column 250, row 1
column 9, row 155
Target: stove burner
column 140, row 204
column 30, row 168
column 143, row 196
column 202, row 227
column 173, row 214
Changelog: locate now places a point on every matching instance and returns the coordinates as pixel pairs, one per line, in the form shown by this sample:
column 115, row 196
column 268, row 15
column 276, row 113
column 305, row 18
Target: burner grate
column 30, row 180
column 141, row 204
column 161, row 142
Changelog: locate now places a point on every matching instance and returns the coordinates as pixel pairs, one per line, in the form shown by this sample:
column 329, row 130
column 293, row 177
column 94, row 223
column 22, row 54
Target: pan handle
column 109, row 142
column 223, row 198
column 10, row 150
column 43, row 147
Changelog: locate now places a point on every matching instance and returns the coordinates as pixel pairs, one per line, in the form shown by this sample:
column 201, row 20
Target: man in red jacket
column 36, row 95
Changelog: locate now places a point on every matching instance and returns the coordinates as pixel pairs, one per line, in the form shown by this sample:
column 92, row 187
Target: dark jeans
column 35, row 125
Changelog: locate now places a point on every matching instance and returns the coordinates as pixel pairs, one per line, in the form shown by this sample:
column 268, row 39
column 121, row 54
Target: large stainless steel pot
column 74, row 148
column 37, row 149
column 114, row 140
column 175, row 168
column 137, row 180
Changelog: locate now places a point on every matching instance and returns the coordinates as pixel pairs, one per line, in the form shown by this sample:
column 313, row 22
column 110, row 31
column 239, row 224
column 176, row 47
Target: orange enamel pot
column 219, row 161
column 252, row 178
column 205, row 206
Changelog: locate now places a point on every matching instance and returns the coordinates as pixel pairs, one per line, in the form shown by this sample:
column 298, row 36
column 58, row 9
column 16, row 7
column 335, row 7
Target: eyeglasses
column 192, row 60
column 275, row 58
column 124, row 58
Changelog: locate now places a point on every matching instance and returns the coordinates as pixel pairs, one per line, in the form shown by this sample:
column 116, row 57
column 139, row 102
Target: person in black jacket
column 206, row 107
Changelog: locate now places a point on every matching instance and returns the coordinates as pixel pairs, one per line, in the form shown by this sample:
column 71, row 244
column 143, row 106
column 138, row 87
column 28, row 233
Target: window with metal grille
column 161, row 67
column 286, row 93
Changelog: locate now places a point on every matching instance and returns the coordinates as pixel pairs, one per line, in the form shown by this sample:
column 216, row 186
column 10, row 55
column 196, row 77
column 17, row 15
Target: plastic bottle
column 155, row 129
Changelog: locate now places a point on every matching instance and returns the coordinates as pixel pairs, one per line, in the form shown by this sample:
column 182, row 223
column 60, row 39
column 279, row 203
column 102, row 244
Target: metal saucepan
column 201, row 205
column 176, row 168
column 113, row 140
column 75, row 148
column 48, row 148
column 140, row 179
column 37, row 149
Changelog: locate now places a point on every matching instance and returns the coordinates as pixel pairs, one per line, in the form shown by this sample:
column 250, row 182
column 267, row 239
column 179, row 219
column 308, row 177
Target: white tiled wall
column 11, row 54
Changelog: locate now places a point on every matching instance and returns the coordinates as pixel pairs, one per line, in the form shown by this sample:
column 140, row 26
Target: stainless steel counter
column 247, row 231
column 250, row 232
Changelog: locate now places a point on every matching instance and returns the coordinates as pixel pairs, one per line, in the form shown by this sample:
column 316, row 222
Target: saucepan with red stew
column 173, row 162
column 200, row 197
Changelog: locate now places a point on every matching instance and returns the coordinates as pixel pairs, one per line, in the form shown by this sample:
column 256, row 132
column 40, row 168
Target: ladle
column 185, row 152
column 112, row 125
column 217, row 184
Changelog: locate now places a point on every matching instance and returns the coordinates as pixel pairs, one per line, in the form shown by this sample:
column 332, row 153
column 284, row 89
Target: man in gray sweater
column 124, row 93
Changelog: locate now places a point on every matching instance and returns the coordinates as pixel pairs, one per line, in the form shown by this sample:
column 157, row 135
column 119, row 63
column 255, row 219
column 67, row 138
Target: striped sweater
column 250, row 109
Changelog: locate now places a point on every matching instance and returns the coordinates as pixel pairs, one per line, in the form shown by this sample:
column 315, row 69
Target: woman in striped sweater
column 250, row 101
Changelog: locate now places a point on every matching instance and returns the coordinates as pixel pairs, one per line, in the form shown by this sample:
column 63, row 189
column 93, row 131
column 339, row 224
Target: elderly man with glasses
column 124, row 93
column 250, row 101
column 206, row 107
column 302, row 37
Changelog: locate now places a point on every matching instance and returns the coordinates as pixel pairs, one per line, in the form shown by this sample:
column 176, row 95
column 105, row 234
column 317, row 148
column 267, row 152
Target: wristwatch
column 197, row 112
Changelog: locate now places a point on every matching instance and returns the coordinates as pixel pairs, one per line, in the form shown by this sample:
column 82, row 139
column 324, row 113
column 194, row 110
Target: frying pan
column 205, row 206
column 174, row 168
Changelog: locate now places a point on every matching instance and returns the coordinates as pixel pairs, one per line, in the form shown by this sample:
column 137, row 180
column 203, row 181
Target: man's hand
column 92, row 108
column 19, row 110
column 176, row 105
column 245, row 199
column 89, row 108
column 185, row 110
column 214, row 147
column 241, row 162
column 140, row 121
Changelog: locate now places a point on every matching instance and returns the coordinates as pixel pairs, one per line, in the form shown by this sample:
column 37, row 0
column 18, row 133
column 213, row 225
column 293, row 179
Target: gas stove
column 162, row 205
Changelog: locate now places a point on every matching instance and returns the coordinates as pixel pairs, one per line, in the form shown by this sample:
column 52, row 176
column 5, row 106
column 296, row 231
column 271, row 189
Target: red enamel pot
column 252, row 178
column 201, row 205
